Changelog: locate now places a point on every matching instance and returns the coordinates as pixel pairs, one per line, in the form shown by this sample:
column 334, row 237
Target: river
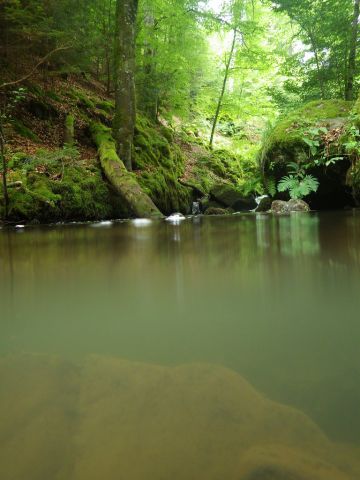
column 211, row 348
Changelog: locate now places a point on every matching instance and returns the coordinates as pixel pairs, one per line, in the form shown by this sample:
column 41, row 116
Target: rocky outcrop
column 101, row 417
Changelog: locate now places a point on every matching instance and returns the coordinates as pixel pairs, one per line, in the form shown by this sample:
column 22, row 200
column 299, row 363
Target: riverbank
column 54, row 173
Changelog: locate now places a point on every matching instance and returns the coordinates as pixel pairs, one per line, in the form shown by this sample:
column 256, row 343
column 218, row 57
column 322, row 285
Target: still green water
column 215, row 348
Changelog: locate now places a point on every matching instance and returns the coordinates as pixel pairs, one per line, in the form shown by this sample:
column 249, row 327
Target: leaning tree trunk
column 123, row 181
column 349, row 87
column 124, row 80
column 226, row 76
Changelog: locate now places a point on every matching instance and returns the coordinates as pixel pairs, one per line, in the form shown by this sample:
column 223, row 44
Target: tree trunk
column 318, row 65
column 226, row 76
column 349, row 87
column 124, row 80
column 122, row 180
column 4, row 170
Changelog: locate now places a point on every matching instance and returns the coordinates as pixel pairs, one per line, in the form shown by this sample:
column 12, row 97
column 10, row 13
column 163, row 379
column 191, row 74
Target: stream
column 207, row 348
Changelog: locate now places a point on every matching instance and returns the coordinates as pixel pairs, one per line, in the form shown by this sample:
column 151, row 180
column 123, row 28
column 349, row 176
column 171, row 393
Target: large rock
column 293, row 205
column 107, row 418
column 289, row 142
column 229, row 196
column 264, row 204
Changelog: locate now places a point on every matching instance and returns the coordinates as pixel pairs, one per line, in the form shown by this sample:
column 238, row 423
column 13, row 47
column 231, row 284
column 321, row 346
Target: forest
column 116, row 109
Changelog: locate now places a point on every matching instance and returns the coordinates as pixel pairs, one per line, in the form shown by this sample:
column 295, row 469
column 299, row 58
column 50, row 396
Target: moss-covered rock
column 52, row 186
column 313, row 137
column 159, row 165
column 232, row 197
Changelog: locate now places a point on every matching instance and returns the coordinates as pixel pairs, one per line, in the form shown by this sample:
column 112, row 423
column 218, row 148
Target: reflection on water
column 87, row 314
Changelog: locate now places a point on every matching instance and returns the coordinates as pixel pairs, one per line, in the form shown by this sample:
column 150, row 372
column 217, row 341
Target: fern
column 298, row 183
column 298, row 187
column 271, row 187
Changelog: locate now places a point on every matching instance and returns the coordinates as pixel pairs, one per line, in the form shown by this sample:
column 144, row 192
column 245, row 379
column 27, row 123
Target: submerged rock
column 100, row 417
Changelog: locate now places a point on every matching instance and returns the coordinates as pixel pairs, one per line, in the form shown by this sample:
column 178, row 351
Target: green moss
column 69, row 130
column 159, row 165
column 82, row 99
column 106, row 105
column 285, row 142
column 290, row 128
column 59, row 190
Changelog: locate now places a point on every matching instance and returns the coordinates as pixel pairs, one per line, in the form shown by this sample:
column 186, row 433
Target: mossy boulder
column 312, row 136
column 54, row 186
column 159, row 164
column 232, row 197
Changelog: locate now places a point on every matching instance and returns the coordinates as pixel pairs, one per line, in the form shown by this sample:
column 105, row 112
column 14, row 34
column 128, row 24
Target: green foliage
column 298, row 183
column 320, row 63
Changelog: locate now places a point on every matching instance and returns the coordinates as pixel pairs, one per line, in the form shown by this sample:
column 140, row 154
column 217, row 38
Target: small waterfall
column 196, row 208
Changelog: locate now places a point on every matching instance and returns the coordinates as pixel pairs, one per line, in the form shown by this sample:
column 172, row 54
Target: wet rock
column 279, row 207
column 229, row 196
column 293, row 205
column 297, row 205
column 264, row 204
column 216, row 211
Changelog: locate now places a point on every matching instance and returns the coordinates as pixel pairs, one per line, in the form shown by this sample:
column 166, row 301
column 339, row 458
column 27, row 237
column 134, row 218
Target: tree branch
column 43, row 60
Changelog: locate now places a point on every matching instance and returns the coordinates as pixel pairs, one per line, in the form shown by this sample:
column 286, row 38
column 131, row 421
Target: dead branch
column 43, row 60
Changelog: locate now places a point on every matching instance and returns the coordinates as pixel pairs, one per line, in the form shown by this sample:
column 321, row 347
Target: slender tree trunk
column 226, row 76
column 4, row 170
column 107, row 48
column 349, row 87
column 124, row 80
column 150, row 87
column 318, row 65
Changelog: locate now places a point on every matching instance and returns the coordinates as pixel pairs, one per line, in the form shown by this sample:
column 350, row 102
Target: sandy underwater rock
column 106, row 418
